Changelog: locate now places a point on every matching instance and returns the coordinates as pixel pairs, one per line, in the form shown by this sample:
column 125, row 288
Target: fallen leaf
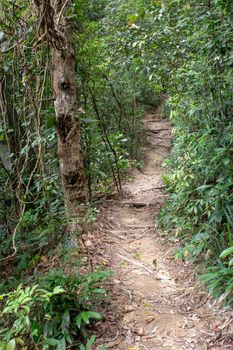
column 43, row 258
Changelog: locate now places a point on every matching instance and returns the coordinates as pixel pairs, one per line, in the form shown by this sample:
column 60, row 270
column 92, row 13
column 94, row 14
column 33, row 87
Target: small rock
column 162, row 277
column 112, row 344
column 129, row 308
column 154, row 330
column 88, row 243
column 150, row 319
column 140, row 331
column 117, row 281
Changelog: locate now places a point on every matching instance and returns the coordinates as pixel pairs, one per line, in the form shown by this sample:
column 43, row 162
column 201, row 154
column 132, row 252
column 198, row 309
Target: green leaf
column 94, row 315
column 226, row 252
column 51, row 121
column 36, row 330
column 51, row 341
column 226, row 161
column 99, row 291
column 66, row 317
column 62, row 344
column 85, row 316
column 19, row 341
column 11, row 345
column 58, row 290
column 79, row 320
column 203, row 187
column 90, row 342
column 27, row 321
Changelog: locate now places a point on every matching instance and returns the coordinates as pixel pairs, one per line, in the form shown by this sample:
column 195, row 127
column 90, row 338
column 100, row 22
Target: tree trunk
column 57, row 31
column 68, row 129
column 12, row 161
column 10, row 118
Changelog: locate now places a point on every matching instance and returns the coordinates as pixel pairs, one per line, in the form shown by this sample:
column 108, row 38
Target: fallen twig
column 138, row 204
column 136, row 263
column 156, row 131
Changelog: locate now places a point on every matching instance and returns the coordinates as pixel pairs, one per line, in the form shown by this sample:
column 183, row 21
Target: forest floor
column 155, row 302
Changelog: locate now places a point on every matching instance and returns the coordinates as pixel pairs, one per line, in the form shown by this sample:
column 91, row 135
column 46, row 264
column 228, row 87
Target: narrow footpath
column 155, row 302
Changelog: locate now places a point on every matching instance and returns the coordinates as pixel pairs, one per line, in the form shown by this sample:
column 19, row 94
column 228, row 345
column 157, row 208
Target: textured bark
column 11, row 161
column 10, row 118
column 68, row 129
column 53, row 27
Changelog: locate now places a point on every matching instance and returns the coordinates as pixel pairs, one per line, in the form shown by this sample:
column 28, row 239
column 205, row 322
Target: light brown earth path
column 155, row 302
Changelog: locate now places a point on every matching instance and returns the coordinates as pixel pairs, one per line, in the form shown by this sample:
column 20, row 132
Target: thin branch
column 60, row 13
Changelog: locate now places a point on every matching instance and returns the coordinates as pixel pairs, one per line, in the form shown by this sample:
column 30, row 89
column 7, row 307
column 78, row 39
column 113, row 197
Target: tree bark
column 68, row 128
column 10, row 118
column 57, row 31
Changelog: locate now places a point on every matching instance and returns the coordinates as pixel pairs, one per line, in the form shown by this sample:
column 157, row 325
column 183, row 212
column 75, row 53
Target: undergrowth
column 54, row 312
column 55, row 309
column 199, row 208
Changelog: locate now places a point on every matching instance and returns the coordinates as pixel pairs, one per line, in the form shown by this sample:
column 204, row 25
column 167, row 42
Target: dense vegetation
column 200, row 207
column 35, row 235
column 127, row 53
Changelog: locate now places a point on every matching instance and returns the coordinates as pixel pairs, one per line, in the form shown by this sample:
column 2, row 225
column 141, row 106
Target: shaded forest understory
column 77, row 80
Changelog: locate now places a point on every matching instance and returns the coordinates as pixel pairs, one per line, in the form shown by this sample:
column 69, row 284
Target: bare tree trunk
column 57, row 31
column 68, row 129
column 14, row 140
column 10, row 117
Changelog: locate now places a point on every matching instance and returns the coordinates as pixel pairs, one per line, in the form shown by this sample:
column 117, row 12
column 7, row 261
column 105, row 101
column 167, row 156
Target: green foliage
column 56, row 312
column 56, row 309
column 89, row 344
column 113, row 92
column 128, row 53
column 220, row 282
column 200, row 178
column 227, row 252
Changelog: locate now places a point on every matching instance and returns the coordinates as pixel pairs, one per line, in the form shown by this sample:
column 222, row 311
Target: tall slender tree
column 54, row 28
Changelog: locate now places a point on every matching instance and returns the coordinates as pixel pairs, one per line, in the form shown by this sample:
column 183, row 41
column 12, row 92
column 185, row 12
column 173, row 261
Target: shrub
column 54, row 313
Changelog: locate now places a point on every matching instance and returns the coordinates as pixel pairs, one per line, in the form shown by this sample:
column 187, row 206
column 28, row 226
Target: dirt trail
column 155, row 302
